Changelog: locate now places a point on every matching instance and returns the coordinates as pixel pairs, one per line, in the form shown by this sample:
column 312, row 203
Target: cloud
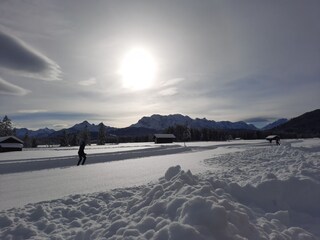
column 46, row 115
column 171, row 82
column 169, row 87
column 19, row 58
column 60, row 126
column 89, row 82
column 51, row 119
column 32, row 111
column 7, row 88
column 168, row 91
column 258, row 119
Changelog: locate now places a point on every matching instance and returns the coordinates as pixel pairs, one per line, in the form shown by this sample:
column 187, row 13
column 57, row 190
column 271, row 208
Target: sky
column 63, row 62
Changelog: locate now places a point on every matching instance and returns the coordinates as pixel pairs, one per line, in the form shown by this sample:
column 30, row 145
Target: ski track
column 25, row 165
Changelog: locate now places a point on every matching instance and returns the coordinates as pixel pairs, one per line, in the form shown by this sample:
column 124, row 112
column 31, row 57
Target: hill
column 305, row 125
column 275, row 124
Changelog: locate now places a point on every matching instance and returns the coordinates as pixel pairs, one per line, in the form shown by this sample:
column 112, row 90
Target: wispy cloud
column 259, row 119
column 89, row 82
column 19, row 58
column 171, row 82
column 46, row 115
column 32, row 111
column 169, row 87
column 7, row 88
column 168, row 91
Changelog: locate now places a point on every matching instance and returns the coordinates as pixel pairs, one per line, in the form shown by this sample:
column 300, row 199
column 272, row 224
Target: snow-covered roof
column 10, row 139
column 272, row 137
column 158, row 135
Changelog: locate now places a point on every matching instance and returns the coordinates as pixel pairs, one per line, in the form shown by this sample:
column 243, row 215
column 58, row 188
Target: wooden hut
column 271, row 138
column 10, row 143
column 164, row 138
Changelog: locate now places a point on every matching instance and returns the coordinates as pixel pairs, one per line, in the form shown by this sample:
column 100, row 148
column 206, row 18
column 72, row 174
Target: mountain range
column 160, row 122
column 308, row 122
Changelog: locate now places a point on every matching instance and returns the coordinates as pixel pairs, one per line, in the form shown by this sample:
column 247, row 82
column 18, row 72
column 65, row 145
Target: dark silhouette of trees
column 208, row 134
column 34, row 143
column 26, row 141
column 74, row 140
column 102, row 134
column 64, row 141
column 85, row 135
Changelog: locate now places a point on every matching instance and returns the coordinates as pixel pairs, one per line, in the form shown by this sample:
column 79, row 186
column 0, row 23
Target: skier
column 81, row 153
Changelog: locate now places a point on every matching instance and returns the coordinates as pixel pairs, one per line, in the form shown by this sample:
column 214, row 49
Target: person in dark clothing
column 82, row 154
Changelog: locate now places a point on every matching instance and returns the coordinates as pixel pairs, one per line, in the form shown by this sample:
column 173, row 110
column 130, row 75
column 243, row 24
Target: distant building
column 164, row 138
column 10, row 143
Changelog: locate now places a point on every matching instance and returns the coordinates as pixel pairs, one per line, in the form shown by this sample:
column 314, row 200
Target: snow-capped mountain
column 43, row 132
column 160, row 122
column 275, row 124
column 85, row 124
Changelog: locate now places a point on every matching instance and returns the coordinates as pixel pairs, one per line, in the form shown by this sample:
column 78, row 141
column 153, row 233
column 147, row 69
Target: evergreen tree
column 6, row 127
column 74, row 140
column 64, row 139
column 34, row 143
column 187, row 134
column 85, row 135
column 1, row 129
column 101, row 134
column 26, row 141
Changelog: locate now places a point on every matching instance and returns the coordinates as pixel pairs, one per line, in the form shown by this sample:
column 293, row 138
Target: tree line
column 185, row 133
column 73, row 139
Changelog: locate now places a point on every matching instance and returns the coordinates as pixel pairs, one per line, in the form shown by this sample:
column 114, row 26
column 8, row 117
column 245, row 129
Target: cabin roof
column 10, row 139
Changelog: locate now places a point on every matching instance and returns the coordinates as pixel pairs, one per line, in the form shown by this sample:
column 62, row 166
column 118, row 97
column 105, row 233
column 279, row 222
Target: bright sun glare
column 138, row 69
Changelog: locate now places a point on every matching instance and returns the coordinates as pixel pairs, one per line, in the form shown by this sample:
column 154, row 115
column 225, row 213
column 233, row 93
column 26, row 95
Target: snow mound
column 179, row 206
column 302, row 195
column 259, row 164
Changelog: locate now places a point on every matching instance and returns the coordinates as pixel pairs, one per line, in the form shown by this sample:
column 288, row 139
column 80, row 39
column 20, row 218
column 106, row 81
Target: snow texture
column 265, row 192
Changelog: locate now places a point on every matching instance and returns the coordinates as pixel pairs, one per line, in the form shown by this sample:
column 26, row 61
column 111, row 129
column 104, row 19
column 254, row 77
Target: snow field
column 262, row 192
column 263, row 163
column 179, row 206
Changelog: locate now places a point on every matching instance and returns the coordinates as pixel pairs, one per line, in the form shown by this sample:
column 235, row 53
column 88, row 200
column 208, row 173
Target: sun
column 138, row 69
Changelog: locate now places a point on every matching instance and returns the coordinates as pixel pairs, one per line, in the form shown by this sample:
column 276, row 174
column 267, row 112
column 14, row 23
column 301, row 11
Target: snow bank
column 259, row 164
column 299, row 194
column 179, row 206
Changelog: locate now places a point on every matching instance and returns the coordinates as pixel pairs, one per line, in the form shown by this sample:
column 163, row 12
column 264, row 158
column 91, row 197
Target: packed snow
column 232, row 190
